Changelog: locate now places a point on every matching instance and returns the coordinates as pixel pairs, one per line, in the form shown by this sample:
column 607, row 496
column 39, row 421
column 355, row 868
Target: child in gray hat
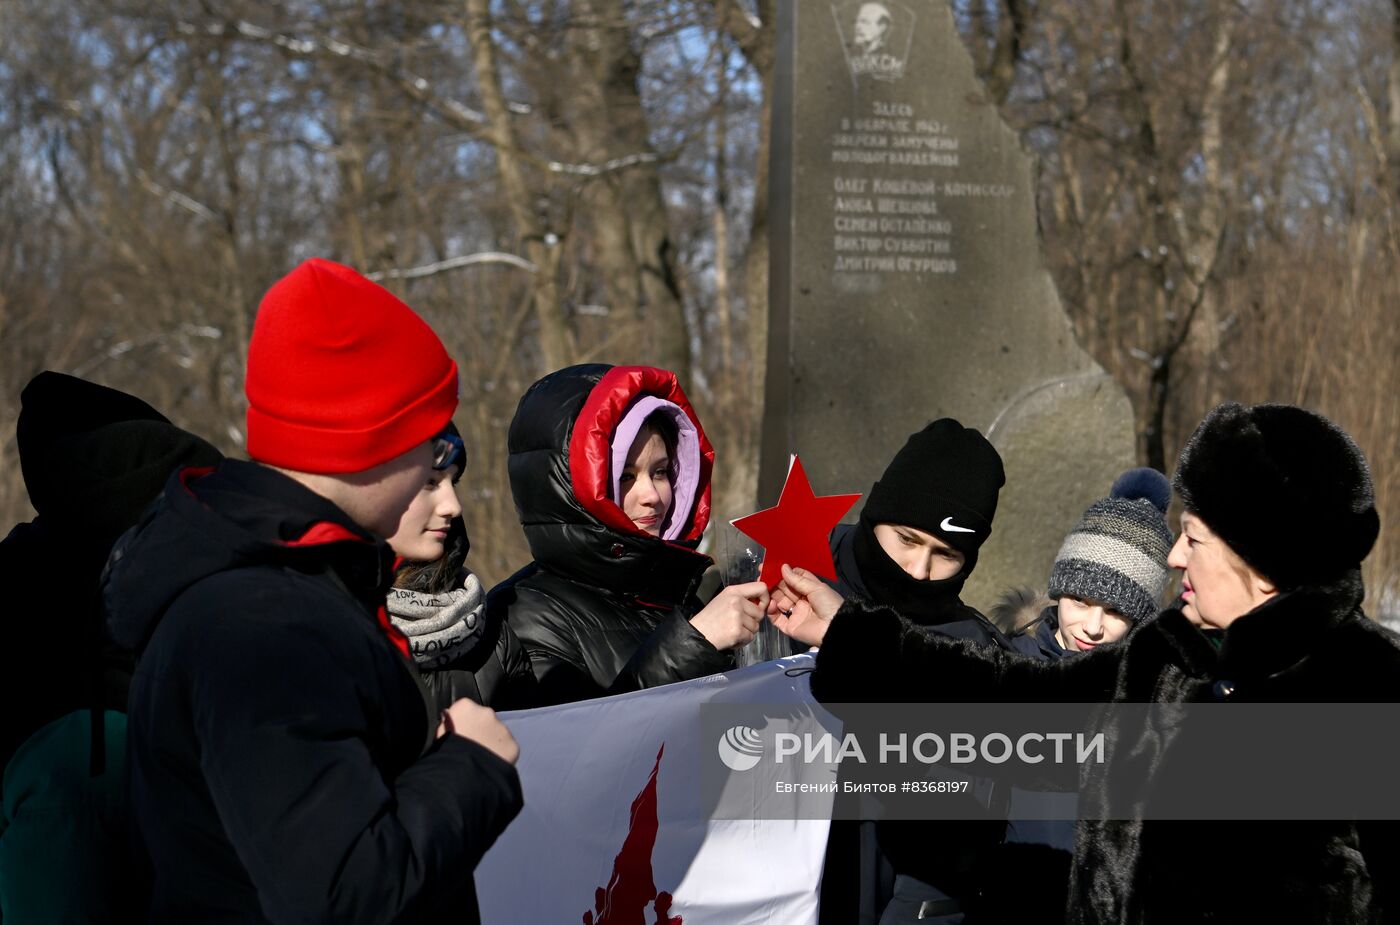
column 1109, row 574
column 1110, row 571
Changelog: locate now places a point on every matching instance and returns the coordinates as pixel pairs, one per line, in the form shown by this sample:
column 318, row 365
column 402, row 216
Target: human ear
column 1263, row 587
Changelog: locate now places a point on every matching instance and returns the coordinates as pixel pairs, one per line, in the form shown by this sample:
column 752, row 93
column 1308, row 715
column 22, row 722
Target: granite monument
column 907, row 284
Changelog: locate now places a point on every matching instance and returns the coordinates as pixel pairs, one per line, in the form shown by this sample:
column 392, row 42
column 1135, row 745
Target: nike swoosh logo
column 951, row 527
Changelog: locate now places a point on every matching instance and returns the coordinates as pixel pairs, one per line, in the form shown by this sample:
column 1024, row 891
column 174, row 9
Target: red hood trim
column 191, row 474
column 590, row 444
column 318, row 534
column 325, row 533
column 396, row 635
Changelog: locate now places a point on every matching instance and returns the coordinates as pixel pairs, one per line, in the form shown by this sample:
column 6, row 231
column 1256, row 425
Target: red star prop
column 798, row 531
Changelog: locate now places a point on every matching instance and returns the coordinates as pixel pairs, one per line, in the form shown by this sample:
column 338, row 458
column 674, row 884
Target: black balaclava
column 945, row 482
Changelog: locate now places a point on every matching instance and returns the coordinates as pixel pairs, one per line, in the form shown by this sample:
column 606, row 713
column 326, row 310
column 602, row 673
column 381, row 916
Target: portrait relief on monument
column 876, row 37
column 893, row 155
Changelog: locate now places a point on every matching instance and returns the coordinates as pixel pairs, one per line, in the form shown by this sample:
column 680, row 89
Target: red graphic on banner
column 631, row 888
column 798, row 531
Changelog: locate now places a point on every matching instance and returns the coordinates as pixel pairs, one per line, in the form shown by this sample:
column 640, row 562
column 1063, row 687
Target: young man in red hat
column 286, row 764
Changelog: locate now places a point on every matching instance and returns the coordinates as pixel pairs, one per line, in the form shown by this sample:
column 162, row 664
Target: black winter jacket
column 947, row 854
column 1309, row 645
column 1039, row 641
column 604, row 608
column 1028, row 876
column 283, row 765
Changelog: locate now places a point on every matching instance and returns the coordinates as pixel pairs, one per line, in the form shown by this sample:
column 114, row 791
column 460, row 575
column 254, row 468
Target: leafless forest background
column 556, row 182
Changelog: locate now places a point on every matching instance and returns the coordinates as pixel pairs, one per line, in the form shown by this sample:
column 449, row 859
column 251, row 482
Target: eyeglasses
column 447, row 450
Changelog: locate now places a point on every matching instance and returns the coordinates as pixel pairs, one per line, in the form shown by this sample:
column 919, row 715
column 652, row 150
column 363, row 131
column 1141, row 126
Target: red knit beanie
column 342, row 375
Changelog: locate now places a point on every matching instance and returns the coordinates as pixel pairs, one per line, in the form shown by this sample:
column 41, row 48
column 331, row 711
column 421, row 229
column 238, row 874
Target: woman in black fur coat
column 1279, row 513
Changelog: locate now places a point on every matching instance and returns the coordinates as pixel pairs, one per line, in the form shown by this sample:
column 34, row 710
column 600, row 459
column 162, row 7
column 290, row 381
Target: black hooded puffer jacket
column 604, row 608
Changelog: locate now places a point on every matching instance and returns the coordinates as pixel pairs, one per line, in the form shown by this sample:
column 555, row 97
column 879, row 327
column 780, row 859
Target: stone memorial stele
column 906, row 282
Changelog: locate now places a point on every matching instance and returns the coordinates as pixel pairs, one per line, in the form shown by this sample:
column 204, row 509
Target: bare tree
column 550, row 183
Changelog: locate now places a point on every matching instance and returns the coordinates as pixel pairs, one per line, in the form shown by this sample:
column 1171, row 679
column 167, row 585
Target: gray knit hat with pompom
column 1117, row 554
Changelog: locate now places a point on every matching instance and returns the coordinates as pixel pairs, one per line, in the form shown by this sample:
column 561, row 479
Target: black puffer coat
column 604, row 608
column 283, row 762
column 1309, row 645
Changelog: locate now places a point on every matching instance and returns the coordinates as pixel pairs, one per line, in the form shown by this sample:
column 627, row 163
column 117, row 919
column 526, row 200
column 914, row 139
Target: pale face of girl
column 645, row 483
column 422, row 532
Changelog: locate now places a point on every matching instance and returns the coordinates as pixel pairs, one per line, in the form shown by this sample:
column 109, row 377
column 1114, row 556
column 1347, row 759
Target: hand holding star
column 802, row 606
column 797, row 531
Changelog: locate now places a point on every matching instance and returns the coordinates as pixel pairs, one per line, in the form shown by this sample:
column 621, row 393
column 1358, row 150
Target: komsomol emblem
column 876, row 37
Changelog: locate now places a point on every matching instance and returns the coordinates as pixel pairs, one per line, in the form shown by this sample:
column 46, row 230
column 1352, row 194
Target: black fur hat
column 1286, row 489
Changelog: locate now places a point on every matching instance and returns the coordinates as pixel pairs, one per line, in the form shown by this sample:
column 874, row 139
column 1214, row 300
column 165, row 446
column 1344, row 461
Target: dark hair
column 443, row 573
column 664, row 425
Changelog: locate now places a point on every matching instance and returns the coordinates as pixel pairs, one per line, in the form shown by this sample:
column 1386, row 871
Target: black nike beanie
column 944, row 481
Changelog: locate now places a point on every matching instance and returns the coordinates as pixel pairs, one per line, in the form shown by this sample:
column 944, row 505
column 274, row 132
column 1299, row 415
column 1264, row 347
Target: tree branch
column 454, row 263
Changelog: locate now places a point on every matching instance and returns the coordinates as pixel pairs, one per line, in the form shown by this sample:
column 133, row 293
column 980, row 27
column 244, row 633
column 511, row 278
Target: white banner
column 615, row 830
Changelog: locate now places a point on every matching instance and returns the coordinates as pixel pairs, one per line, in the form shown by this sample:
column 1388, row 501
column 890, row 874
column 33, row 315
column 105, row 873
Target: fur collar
column 1282, row 632
column 1268, row 640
